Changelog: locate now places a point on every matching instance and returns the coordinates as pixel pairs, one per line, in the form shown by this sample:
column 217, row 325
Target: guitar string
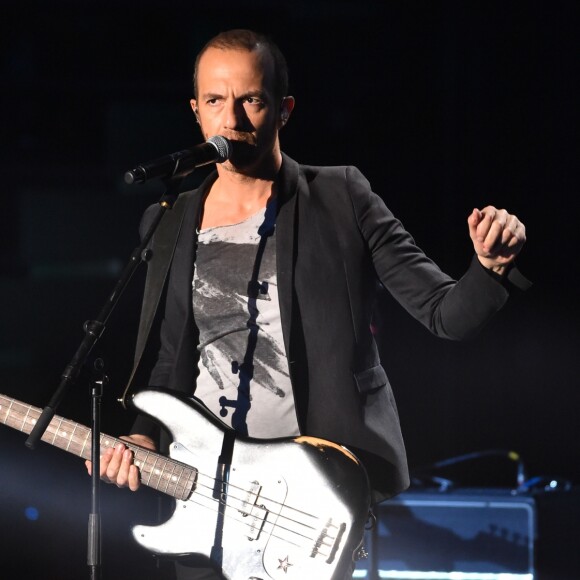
column 53, row 430
column 318, row 544
column 269, row 527
column 55, row 426
column 17, row 416
column 148, row 469
column 137, row 450
column 282, row 507
column 232, row 504
column 71, row 437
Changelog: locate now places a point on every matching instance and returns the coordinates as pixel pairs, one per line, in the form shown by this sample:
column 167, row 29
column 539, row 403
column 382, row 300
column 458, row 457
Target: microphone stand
column 93, row 331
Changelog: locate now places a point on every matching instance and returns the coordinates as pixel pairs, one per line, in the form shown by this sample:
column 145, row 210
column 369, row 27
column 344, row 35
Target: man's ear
column 193, row 104
column 286, row 108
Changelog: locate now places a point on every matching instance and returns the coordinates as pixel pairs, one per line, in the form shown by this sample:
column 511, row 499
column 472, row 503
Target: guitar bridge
column 328, row 541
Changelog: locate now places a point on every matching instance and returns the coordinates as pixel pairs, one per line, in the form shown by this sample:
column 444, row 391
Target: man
column 269, row 295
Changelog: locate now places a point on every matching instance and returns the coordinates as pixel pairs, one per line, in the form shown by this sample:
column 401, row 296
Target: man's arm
column 448, row 308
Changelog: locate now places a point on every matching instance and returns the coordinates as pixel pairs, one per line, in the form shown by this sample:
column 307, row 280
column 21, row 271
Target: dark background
column 444, row 106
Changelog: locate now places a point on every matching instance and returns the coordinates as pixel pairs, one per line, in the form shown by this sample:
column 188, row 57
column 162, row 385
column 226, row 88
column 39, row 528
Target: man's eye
column 253, row 101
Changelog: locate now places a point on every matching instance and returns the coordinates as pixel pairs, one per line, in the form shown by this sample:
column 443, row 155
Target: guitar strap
column 161, row 254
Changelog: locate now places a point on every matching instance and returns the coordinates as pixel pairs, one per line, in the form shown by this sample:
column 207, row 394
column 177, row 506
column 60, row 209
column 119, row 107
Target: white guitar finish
column 290, row 509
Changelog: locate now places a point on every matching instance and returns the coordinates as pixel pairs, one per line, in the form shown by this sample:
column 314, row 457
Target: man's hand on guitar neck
column 117, row 464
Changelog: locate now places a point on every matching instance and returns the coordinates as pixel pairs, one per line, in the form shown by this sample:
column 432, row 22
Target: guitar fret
column 170, row 476
column 70, row 438
column 74, row 443
column 173, row 480
column 58, row 434
column 144, row 466
column 34, row 418
column 153, row 471
column 82, row 435
column 188, row 483
column 107, row 442
column 56, row 430
column 177, row 481
column 65, row 434
column 168, row 471
column 178, row 484
column 14, row 414
column 87, row 435
column 25, row 417
column 9, row 409
column 162, row 472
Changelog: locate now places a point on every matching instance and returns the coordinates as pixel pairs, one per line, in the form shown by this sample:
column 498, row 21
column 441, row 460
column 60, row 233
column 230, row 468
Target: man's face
column 236, row 100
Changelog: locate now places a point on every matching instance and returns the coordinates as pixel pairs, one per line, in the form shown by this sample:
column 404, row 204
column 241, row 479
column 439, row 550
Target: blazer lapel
column 184, row 259
column 180, row 221
column 288, row 184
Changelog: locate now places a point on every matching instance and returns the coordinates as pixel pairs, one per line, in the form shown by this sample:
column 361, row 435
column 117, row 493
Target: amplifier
column 453, row 535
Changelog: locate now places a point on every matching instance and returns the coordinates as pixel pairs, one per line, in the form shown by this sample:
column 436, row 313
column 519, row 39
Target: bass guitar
column 291, row 509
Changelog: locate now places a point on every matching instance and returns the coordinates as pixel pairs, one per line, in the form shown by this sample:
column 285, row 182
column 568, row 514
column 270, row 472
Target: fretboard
column 157, row 471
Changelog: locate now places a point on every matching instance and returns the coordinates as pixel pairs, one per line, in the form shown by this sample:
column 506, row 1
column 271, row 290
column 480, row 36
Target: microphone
column 216, row 149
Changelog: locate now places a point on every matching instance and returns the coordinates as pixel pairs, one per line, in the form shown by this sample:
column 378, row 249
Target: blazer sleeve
column 448, row 308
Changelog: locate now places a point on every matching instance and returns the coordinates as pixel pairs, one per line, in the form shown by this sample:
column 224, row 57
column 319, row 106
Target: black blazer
column 335, row 241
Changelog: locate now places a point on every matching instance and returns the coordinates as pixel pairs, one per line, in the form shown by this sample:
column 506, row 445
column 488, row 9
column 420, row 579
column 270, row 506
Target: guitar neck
column 157, row 471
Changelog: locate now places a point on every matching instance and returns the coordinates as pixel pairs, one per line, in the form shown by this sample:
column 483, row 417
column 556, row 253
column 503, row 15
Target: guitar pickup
column 257, row 514
column 251, row 498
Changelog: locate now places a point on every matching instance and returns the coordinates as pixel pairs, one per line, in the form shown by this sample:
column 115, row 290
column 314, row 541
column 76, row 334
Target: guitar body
column 275, row 509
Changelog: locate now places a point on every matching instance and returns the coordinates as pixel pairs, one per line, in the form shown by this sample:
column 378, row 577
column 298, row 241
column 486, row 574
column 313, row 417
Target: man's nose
column 235, row 116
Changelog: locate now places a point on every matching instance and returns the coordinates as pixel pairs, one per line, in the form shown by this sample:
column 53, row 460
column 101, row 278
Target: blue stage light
column 31, row 513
